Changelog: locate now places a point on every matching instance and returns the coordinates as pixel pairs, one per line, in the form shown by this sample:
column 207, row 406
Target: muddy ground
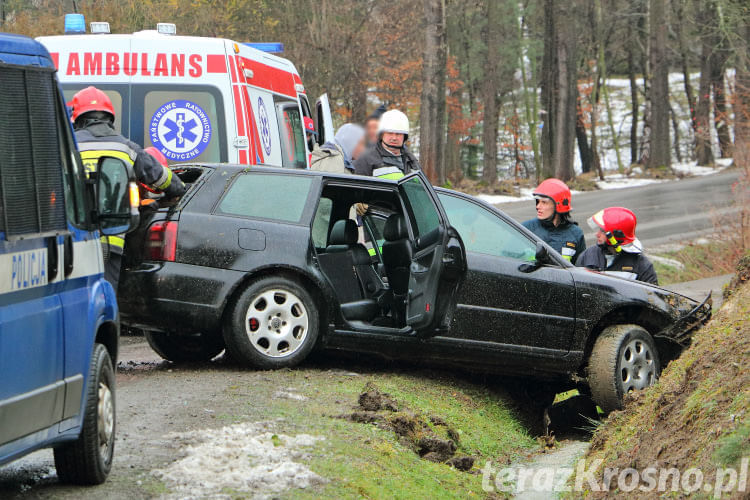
column 159, row 404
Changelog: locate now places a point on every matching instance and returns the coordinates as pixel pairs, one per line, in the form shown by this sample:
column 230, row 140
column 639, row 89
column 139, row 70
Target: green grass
column 363, row 460
column 701, row 261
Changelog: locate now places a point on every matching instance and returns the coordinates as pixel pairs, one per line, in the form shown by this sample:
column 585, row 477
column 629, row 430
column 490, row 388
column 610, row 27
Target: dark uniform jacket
column 628, row 265
column 100, row 136
column 567, row 238
column 378, row 162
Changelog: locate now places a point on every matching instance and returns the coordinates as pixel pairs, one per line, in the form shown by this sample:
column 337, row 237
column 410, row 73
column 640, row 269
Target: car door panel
column 498, row 303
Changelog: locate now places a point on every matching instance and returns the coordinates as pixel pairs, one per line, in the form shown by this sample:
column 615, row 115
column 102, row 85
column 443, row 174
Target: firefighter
column 389, row 158
column 553, row 223
column 617, row 250
column 337, row 156
column 371, row 125
column 93, row 120
column 311, row 134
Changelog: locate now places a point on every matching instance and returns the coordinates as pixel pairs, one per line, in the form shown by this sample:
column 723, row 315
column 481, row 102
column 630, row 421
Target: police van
column 195, row 99
column 59, row 324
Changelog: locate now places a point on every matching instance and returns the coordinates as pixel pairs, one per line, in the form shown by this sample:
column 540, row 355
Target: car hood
column 685, row 314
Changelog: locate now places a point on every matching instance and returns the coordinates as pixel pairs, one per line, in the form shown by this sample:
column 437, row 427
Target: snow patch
column 619, row 181
column 289, row 395
column 691, row 168
column 243, row 457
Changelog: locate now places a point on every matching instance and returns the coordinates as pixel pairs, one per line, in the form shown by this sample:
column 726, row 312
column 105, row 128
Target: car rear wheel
column 185, row 348
column 624, row 359
column 272, row 324
column 88, row 460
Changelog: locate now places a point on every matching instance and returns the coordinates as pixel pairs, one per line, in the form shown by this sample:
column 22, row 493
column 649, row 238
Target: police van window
column 267, row 196
column 115, row 95
column 293, row 151
column 73, row 172
column 185, row 125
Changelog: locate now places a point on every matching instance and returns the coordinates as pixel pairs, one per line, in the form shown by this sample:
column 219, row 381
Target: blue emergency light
column 75, row 24
column 272, row 47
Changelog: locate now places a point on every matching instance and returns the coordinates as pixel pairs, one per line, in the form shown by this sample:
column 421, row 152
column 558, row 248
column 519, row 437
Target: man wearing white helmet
column 389, row 158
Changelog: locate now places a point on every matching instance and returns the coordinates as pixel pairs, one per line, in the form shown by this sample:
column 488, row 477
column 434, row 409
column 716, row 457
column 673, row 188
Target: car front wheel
column 624, row 359
column 88, row 460
column 272, row 324
column 185, row 348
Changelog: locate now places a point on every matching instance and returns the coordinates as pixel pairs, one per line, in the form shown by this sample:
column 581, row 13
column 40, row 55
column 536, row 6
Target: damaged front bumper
column 681, row 331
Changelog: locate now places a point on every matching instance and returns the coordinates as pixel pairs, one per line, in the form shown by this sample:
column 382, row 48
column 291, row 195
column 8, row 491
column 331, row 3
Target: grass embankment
column 713, row 258
column 697, row 416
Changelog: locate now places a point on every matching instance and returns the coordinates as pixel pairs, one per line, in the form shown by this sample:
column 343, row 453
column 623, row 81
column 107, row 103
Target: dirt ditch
column 431, row 437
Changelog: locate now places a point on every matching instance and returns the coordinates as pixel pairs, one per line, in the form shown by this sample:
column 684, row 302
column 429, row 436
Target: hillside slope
column 698, row 416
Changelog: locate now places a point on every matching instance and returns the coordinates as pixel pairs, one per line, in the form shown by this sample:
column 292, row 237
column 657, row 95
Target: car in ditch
column 268, row 263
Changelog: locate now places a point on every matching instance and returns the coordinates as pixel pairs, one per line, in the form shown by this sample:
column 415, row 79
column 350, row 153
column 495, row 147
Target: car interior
column 371, row 293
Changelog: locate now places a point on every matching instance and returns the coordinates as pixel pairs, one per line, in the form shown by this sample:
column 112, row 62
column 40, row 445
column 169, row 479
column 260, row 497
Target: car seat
column 397, row 256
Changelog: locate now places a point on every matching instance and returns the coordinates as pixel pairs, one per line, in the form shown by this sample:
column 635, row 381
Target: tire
column 88, row 460
column 624, row 358
column 272, row 324
column 185, row 348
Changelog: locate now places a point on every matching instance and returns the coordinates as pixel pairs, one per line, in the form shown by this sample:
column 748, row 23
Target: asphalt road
column 670, row 211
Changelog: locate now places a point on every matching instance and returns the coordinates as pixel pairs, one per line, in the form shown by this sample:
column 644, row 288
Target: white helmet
column 394, row 121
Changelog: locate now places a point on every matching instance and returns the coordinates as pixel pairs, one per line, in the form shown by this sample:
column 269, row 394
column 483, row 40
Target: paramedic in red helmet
column 617, row 250
column 552, row 223
column 389, row 158
column 93, row 120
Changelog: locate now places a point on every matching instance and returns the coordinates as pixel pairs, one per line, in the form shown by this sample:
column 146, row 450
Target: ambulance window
column 185, row 125
column 293, row 151
column 305, row 106
column 114, row 95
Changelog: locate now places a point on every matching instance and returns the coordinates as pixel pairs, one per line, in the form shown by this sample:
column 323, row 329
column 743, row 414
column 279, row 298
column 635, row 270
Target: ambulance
column 195, row 99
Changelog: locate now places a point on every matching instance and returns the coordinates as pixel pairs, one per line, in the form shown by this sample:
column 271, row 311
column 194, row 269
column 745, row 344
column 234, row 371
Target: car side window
column 423, row 212
column 322, row 223
column 267, row 196
column 486, row 233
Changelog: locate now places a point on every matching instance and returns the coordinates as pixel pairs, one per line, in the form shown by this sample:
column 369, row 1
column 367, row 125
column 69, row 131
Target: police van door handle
column 53, row 257
column 68, row 255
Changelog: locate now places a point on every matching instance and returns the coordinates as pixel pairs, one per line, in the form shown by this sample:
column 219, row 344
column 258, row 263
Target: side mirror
column 117, row 197
column 541, row 257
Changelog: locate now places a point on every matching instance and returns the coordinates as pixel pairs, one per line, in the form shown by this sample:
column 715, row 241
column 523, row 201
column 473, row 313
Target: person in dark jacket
column 553, row 223
column 389, row 158
column 93, row 120
column 617, row 250
column 371, row 125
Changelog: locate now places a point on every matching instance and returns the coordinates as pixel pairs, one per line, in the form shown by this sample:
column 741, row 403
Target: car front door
column 438, row 263
column 502, row 301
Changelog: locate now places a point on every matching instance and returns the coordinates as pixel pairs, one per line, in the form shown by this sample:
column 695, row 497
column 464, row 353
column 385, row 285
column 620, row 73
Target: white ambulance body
column 195, row 99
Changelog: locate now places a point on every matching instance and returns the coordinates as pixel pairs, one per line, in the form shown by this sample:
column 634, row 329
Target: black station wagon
column 268, row 263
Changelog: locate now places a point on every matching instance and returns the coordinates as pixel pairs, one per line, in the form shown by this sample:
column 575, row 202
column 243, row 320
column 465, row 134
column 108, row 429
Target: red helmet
column 617, row 223
column 557, row 191
column 91, row 99
column 158, row 155
column 310, row 126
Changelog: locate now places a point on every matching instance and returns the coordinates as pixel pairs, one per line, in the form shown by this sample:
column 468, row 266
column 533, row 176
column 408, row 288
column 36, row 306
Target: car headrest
column 395, row 228
column 344, row 232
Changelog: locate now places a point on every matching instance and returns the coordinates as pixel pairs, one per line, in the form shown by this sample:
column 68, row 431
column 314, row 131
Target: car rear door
column 438, row 262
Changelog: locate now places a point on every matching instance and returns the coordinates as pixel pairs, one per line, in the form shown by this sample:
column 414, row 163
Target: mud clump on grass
column 431, row 438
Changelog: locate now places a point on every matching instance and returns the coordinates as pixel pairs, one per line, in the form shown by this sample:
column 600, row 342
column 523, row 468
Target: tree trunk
column 721, row 117
column 679, row 31
column 634, row 106
column 644, row 149
column 559, row 89
column 703, row 152
column 660, row 154
column 742, row 98
column 584, row 150
column 489, row 92
column 432, row 115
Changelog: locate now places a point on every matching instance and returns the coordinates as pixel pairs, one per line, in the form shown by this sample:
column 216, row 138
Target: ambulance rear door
column 181, row 98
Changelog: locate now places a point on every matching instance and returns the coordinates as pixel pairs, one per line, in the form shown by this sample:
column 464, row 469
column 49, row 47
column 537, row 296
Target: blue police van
column 59, row 325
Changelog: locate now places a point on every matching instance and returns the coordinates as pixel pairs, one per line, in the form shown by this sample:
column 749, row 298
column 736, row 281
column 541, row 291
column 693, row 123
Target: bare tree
column 432, row 116
column 659, row 154
column 559, row 89
column 490, row 91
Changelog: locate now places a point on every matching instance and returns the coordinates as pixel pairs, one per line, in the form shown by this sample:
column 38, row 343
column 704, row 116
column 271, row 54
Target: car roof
column 234, row 168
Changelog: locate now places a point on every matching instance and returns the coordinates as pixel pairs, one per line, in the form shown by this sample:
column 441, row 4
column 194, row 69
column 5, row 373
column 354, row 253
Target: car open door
column 438, row 263
column 323, row 120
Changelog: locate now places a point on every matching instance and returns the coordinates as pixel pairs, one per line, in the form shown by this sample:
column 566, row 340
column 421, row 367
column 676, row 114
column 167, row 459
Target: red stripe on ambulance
column 268, row 77
column 216, row 63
